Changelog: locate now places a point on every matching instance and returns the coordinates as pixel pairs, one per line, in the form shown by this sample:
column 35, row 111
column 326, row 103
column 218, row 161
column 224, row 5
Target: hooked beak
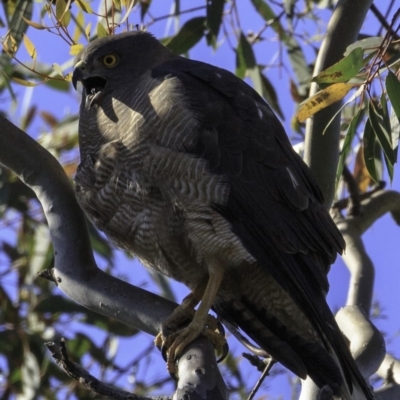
column 78, row 73
column 93, row 85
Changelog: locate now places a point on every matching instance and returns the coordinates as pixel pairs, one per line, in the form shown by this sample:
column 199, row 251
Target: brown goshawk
column 185, row 166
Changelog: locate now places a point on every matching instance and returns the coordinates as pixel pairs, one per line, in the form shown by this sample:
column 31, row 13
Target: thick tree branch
column 366, row 342
column 357, row 327
column 322, row 151
column 76, row 272
column 367, row 345
column 356, row 258
column 390, row 371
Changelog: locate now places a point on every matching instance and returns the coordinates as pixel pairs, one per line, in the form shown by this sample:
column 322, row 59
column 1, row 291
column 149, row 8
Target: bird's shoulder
column 237, row 126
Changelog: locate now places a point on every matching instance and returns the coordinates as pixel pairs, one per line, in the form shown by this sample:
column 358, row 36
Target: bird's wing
column 274, row 204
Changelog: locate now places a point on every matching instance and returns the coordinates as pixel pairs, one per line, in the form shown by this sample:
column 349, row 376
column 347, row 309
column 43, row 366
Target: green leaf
column 59, row 84
column 299, row 64
column 390, row 168
column 368, row 45
column 269, row 94
column 295, row 52
column 379, row 123
column 190, row 34
column 101, row 30
column 63, row 14
column 246, row 63
column 343, row 70
column 18, row 26
column 267, row 13
column 80, row 346
column 370, row 159
column 393, row 91
column 84, row 6
column 245, row 58
column 144, row 7
column 215, row 9
column 385, row 114
column 347, row 144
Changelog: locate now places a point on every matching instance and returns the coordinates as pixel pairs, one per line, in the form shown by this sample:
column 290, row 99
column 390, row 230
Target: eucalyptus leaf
column 294, row 50
column 368, row 45
column 347, row 144
column 18, row 26
column 269, row 94
column 343, row 70
column 393, row 91
column 215, row 9
column 369, row 141
column 188, row 36
column 245, row 58
column 379, row 125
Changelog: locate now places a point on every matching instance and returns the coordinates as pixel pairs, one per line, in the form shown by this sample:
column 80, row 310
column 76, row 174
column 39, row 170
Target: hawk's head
column 112, row 62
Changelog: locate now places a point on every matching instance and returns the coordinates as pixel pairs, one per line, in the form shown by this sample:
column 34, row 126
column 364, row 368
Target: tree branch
column 76, row 272
column 367, row 344
column 355, row 257
column 322, row 151
column 75, row 371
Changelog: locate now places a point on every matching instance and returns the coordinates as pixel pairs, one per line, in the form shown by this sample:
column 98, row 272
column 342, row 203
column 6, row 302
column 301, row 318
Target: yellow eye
column 110, row 60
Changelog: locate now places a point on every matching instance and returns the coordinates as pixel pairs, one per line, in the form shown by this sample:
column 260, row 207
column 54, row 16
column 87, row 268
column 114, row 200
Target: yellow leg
column 184, row 312
column 198, row 324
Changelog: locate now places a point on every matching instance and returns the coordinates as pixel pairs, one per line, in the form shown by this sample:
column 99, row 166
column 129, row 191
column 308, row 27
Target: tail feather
column 302, row 357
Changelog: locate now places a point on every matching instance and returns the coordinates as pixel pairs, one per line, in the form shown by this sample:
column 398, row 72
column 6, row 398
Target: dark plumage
column 186, row 166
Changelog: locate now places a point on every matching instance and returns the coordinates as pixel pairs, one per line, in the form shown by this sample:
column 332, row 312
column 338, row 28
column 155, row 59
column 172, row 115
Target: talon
column 225, row 351
column 164, row 352
column 220, row 328
column 161, row 344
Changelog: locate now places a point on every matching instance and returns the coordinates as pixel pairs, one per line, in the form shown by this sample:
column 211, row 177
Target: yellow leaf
column 87, row 30
column 23, row 82
column 117, row 4
column 33, row 24
column 84, row 6
column 101, row 31
column 361, row 175
column 128, row 3
column 79, row 28
column 323, row 99
column 9, row 44
column 63, row 14
column 57, row 69
column 30, row 48
column 60, row 9
column 68, row 77
column 76, row 49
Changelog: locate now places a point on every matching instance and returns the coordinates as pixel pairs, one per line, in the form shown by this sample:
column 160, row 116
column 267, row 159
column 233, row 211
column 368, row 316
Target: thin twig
column 75, row 371
column 355, row 206
column 383, row 21
column 269, row 363
column 344, row 203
